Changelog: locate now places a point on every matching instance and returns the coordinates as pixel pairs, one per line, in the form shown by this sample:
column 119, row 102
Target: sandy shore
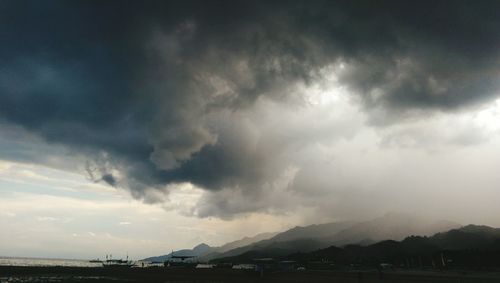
column 79, row 274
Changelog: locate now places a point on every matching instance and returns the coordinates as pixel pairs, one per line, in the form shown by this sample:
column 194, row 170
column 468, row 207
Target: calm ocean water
column 23, row 261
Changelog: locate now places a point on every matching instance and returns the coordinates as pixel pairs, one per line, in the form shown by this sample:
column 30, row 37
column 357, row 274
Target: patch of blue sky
column 24, row 186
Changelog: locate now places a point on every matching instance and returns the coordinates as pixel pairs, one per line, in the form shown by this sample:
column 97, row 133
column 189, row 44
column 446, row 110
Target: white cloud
column 9, row 214
column 46, row 218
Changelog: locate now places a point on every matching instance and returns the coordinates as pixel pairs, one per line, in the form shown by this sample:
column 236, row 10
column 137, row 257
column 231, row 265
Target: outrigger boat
column 114, row 263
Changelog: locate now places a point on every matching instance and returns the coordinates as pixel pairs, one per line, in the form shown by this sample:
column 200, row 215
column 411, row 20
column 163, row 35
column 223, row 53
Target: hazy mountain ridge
column 245, row 241
column 462, row 247
column 312, row 231
column 198, row 250
column 392, row 226
column 203, row 249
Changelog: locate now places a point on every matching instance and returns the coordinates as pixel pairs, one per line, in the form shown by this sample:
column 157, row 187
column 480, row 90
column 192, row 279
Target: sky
column 143, row 127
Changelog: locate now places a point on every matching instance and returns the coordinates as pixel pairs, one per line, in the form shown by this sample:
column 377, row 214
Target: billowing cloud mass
column 263, row 105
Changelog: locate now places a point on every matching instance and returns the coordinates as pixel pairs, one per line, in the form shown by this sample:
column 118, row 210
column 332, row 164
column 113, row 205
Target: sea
column 26, row 261
column 7, row 277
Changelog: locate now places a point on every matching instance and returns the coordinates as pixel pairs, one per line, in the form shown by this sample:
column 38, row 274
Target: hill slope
column 464, row 248
column 197, row 251
column 205, row 252
column 391, row 226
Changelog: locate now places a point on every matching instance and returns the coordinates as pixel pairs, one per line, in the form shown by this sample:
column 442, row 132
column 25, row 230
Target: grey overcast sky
column 151, row 125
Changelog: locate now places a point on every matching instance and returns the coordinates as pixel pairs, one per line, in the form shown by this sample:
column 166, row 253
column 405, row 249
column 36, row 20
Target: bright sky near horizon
column 47, row 212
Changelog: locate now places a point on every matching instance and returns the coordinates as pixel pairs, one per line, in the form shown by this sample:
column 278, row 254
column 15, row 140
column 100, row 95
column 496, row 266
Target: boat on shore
column 117, row 263
column 113, row 263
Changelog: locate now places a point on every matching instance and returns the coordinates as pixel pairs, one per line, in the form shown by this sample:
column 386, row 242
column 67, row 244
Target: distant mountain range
column 244, row 242
column 199, row 250
column 467, row 247
column 204, row 249
column 392, row 226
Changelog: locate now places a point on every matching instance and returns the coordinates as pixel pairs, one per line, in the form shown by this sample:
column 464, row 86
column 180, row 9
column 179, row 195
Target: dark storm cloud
column 143, row 88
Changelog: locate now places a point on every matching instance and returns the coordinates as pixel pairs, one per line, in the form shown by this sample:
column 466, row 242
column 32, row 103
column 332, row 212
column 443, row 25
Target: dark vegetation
column 469, row 247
